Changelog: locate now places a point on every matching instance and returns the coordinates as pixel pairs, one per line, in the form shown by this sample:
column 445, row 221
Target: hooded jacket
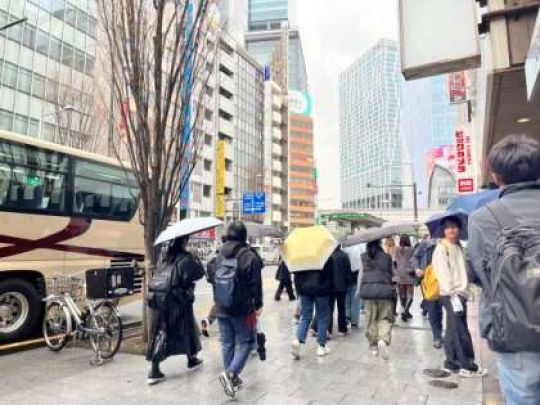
column 315, row 283
column 249, row 274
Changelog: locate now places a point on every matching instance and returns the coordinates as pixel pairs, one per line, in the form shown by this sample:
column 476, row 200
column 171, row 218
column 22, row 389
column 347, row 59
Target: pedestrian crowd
column 502, row 257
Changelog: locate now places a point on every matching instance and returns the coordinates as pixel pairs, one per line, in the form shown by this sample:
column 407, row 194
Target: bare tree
column 159, row 52
column 80, row 116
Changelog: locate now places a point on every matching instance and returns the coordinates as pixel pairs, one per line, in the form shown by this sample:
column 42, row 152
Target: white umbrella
column 187, row 226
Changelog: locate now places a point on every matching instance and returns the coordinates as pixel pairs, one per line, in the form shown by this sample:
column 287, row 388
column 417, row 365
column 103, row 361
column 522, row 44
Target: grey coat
column 403, row 257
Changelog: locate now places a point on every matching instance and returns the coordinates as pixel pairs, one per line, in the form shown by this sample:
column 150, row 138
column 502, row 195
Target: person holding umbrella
column 450, row 270
column 379, row 294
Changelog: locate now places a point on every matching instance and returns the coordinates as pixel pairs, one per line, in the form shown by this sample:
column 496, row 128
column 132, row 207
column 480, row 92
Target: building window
column 10, row 75
column 25, row 81
column 207, row 191
column 207, row 165
column 208, row 139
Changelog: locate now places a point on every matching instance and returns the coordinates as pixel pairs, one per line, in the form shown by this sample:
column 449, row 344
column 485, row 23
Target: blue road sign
column 254, row 203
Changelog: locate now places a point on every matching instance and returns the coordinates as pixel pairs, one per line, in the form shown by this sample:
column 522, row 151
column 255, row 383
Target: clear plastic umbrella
column 187, row 226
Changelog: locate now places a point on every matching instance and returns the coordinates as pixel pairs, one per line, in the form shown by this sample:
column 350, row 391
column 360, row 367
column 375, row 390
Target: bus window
column 5, row 175
column 102, row 191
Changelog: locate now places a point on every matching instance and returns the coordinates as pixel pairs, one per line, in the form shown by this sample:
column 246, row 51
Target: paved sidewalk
column 349, row 375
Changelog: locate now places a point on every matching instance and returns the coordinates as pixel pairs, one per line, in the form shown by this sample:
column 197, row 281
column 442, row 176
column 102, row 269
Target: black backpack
column 160, row 285
column 228, row 289
column 510, row 310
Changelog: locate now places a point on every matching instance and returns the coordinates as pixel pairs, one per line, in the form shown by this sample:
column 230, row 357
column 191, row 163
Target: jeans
column 352, row 306
column 237, row 340
column 519, row 375
column 458, row 346
column 323, row 317
column 435, row 316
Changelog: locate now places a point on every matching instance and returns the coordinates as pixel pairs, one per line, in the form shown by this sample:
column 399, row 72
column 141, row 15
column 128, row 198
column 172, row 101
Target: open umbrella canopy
column 385, row 231
column 471, row 202
column 435, row 224
column 308, row 248
column 263, row 231
column 187, row 226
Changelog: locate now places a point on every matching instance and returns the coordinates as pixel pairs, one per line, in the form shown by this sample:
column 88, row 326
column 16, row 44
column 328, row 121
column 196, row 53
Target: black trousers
column 458, row 346
column 285, row 285
column 339, row 299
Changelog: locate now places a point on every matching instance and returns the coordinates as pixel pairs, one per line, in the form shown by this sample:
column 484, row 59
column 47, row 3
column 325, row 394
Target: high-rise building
column 267, row 14
column 427, row 122
column 44, row 65
column 302, row 189
column 370, row 147
column 233, row 15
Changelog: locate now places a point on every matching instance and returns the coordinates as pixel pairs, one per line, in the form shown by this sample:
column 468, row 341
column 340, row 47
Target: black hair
column 177, row 246
column 452, row 221
column 405, row 241
column 373, row 248
column 237, row 232
column 515, row 159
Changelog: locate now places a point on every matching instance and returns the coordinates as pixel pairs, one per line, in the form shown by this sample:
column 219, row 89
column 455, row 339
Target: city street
column 349, row 375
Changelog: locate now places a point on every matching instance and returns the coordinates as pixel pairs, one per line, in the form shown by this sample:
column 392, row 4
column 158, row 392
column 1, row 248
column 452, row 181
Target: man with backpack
column 506, row 264
column 238, row 295
column 171, row 294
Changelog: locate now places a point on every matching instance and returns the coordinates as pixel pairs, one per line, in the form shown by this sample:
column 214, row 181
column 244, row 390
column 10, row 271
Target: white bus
column 62, row 211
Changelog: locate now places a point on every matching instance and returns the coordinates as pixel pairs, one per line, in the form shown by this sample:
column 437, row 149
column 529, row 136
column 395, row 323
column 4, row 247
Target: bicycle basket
column 74, row 286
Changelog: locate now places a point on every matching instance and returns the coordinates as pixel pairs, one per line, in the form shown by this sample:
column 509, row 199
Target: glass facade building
column 267, row 14
column 52, row 53
column 370, row 147
column 248, row 141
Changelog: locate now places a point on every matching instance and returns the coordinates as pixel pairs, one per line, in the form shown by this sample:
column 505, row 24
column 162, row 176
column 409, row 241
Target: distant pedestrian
column 378, row 292
column 174, row 329
column 353, row 302
column 449, row 267
column 283, row 276
column 342, row 276
column 238, row 296
column 404, row 276
column 314, row 288
column 421, row 259
column 510, row 280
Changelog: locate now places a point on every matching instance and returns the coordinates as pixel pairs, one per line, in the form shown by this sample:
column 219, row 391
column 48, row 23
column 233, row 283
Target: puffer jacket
column 376, row 281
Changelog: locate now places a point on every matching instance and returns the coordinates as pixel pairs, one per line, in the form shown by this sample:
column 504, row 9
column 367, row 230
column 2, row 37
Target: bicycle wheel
column 56, row 325
column 106, row 318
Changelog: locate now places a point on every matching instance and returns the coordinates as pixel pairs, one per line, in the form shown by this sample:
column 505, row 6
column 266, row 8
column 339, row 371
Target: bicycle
column 99, row 319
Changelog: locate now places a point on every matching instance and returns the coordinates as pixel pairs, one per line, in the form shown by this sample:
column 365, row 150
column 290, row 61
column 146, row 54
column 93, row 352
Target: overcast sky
column 335, row 33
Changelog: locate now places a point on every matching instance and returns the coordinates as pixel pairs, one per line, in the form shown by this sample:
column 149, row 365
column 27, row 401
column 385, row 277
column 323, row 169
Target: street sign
column 254, row 203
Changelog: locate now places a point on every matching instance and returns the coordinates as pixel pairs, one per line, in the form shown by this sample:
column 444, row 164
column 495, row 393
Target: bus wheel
column 20, row 309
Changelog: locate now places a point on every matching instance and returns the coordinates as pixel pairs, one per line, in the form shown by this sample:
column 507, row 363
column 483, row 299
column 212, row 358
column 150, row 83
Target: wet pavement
column 349, row 375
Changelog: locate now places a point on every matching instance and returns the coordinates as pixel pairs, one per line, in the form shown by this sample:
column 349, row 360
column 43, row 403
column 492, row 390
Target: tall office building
column 44, row 62
column 233, row 15
column 266, row 21
column 370, row 147
column 427, row 122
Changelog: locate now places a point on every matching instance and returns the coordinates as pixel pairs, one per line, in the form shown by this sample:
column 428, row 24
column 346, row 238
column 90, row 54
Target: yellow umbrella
column 308, row 248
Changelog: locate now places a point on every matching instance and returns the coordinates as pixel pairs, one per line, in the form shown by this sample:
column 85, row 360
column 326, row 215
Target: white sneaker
column 322, row 351
column 296, row 348
column 327, row 350
column 383, row 349
column 481, row 372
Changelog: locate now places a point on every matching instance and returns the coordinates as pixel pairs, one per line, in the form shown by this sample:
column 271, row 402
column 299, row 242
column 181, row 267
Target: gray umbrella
column 263, row 231
column 385, row 231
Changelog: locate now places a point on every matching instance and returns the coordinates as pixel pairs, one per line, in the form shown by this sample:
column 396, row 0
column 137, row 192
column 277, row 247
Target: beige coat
column 449, row 267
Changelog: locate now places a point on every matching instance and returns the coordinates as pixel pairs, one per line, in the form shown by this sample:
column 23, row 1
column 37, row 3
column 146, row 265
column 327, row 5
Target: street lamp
column 415, row 193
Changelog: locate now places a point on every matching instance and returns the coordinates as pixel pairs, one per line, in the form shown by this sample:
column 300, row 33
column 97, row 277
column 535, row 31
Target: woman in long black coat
column 175, row 329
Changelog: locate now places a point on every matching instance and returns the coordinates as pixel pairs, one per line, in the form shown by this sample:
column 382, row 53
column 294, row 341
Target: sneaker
column 194, row 363
column 238, row 383
column 374, row 350
column 383, row 349
column 155, row 378
column 341, row 334
column 481, row 372
column 321, row 351
column 204, row 328
column 354, row 326
column 327, row 350
column 227, row 384
column 437, row 344
column 296, row 348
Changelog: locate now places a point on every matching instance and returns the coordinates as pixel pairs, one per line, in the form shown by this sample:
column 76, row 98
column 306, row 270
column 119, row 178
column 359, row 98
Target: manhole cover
column 436, row 373
column 448, row 385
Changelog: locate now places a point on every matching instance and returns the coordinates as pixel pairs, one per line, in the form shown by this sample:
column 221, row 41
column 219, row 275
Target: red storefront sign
column 457, row 87
column 464, row 162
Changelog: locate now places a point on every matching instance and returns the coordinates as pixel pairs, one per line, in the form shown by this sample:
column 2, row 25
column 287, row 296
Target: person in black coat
column 174, row 330
column 378, row 292
column 285, row 281
column 314, row 288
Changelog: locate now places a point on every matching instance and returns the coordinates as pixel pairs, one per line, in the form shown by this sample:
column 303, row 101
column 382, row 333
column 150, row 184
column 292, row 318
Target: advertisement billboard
column 438, row 37
column 300, row 103
column 220, row 179
column 443, row 156
column 465, row 178
column 457, row 87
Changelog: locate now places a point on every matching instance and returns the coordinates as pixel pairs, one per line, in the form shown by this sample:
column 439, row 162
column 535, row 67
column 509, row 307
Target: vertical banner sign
column 465, row 178
column 186, row 99
column 220, row 179
column 457, row 87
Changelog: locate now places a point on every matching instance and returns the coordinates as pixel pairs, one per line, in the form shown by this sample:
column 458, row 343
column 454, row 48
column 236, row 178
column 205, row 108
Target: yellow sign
column 220, row 179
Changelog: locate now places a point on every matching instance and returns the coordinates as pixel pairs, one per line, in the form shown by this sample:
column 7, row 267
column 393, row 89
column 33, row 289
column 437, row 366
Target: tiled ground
column 350, row 375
